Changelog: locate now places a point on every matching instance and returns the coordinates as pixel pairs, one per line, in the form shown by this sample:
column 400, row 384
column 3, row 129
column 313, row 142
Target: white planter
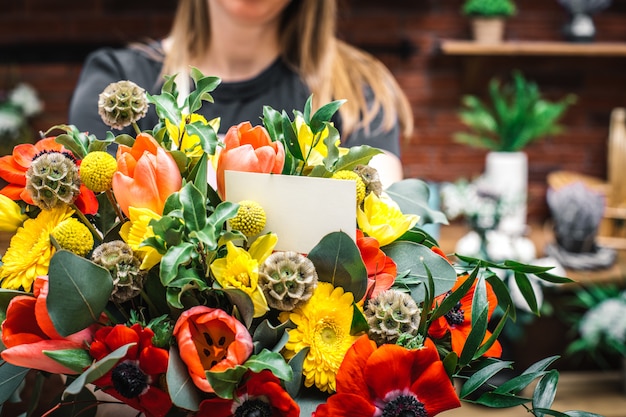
column 507, row 175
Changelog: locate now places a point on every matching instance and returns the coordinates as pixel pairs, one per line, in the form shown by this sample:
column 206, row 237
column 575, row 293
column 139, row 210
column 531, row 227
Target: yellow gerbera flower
column 30, row 250
column 136, row 230
column 383, row 220
column 240, row 269
column 11, row 217
column 316, row 151
column 189, row 144
column 323, row 325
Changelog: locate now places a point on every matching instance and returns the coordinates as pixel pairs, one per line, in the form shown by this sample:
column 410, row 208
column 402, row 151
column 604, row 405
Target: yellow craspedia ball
column 74, row 236
column 250, row 218
column 350, row 175
column 97, row 169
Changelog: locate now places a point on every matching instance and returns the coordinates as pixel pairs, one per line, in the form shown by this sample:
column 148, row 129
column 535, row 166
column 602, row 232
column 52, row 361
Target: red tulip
column 390, row 380
column 209, row 339
column 146, row 175
column 381, row 269
column 28, row 331
column 13, row 170
column 136, row 378
column 249, row 149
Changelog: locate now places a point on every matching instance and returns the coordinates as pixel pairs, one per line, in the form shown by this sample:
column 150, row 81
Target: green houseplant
column 488, row 18
column 516, row 116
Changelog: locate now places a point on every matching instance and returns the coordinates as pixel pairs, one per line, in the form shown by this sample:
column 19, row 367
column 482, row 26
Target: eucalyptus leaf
column 224, row 383
column 267, row 336
column 11, row 377
column 180, row 386
column 297, row 365
column 413, row 257
column 244, row 304
column 337, row 260
column 78, row 292
column 271, row 361
column 412, row 196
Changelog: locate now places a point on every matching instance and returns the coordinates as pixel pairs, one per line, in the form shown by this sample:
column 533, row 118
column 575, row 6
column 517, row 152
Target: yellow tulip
column 11, row 217
column 383, row 220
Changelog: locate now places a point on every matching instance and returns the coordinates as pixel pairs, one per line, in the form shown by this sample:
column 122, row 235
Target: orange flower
column 13, row 170
column 390, row 380
column 28, row 331
column 146, row 175
column 381, row 269
column 209, row 339
column 458, row 321
column 249, row 149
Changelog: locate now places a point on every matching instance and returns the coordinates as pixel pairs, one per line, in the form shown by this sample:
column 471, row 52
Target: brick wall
column 43, row 42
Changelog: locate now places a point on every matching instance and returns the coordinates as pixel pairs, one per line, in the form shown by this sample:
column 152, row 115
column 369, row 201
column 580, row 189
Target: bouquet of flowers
column 145, row 277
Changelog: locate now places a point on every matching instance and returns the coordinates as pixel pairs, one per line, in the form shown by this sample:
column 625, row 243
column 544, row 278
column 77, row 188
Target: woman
column 267, row 52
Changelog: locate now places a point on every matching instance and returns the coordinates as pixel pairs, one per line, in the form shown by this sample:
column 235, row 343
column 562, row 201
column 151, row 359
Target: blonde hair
column 311, row 48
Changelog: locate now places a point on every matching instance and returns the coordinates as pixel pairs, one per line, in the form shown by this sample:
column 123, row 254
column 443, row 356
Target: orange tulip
column 28, row 331
column 249, row 149
column 209, row 339
column 146, row 175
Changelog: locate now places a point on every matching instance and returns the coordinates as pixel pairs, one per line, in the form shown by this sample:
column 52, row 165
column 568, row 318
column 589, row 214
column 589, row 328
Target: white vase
column 507, row 175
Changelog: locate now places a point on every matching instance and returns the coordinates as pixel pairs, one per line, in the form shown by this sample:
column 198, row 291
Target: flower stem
column 116, row 208
column 148, row 301
column 136, row 127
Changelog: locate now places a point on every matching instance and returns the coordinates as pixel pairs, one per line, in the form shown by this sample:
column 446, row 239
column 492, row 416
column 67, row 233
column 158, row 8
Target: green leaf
column 11, row 378
column 450, row 362
column 267, row 336
column 483, row 375
column 412, row 197
column 480, row 313
column 451, row 300
column 359, row 322
column 323, row 115
column 541, row 365
column 194, row 208
column 97, row 370
column 418, row 235
column 206, row 135
column 166, row 107
column 74, row 359
column 527, row 291
column 296, row 363
column 272, row 361
column 413, row 257
column 78, row 292
column 180, row 386
column 494, row 400
column 545, row 391
column 502, row 294
column 337, row 260
column 225, row 383
column 518, row 383
column 243, row 302
column 175, row 257
column 357, row 155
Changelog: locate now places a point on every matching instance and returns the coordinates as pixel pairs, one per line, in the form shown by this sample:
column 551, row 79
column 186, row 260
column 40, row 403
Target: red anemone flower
column 260, row 395
column 381, row 269
column 209, row 339
column 13, row 170
column 390, row 380
column 458, row 321
column 27, row 332
column 135, row 379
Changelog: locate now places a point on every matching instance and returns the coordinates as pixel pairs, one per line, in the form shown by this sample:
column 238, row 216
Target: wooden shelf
column 464, row 47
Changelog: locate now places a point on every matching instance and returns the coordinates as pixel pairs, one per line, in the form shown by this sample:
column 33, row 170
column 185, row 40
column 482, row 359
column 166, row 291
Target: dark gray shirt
column 277, row 86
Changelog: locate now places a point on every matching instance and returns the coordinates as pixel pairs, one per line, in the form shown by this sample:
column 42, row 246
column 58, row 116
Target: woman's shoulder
column 142, row 61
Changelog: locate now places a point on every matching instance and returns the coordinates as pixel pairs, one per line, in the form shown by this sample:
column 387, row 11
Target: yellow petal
column 263, row 247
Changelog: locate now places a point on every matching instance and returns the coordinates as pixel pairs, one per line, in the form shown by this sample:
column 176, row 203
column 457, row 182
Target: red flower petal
column 388, row 369
column 435, row 390
column 345, row 405
column 350, row 377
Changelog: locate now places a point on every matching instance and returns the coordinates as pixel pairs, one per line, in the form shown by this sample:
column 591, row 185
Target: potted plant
column 488, row 18
column 516, row 116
